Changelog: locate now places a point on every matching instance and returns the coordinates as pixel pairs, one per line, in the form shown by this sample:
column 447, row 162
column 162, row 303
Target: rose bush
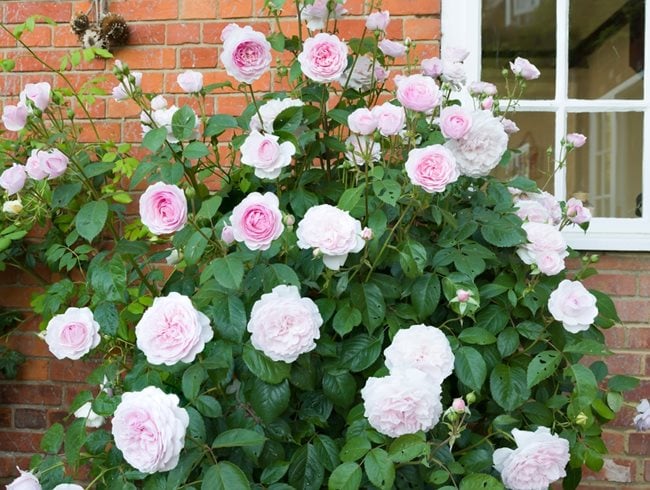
column 354, row 303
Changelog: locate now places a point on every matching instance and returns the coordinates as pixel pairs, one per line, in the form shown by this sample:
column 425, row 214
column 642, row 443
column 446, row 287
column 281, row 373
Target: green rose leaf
column 481, row 482
column 238, row 438
column 183, row 123
column 266, row 369
column 379, row 469
column 425, row 294
column 369, row 299
column 508, row 386
column 542, row 366
column 305, row 469
column 470, row 368
column 224, row 476
column 345, row 477
column 269, row 400
column 407, row 448
column 228, row 271
column 91, row 218
column 359, row 352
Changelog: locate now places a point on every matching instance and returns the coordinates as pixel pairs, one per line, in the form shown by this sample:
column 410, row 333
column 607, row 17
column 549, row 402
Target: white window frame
column 461, row 27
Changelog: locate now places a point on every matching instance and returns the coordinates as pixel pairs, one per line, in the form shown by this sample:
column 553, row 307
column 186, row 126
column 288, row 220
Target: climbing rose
column 574, row 306
column 576, row 139
column 266, row 155
column 127, row 86
column 418, row 93
column 524, row 68
column 455, row 122
column 362, row 121
column 393, row 49
column 391, row 119
column 432, row 168
column 38, row 93
column 85, row 411
column 378, row 21
column 324, row 57
column 163, row 208
column 269, row 111
column 13, row 179
column 190, row 81
column 246, row 54
column 72, row 334
column 14, row 117
column 432, row 67
column 257, row 220
column 26, row 481
column 576, row 212
column 545, row 248
column 362, row 150
column 642, row 419
column 317, row 13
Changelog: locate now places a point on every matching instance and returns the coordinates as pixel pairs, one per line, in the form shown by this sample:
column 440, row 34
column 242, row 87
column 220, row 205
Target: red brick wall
column 169, row 36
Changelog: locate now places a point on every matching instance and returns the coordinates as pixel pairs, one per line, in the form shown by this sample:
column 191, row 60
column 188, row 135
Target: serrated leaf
column 193, row 378
column 360, row 352
column 154, row 139
column 238, row 438
column 470, row 368
column 224, row 476
column 91, row 218
column 267, row 370
column 425, row 294
column 52, row 439
column 346, row 476
column 379, row 469
column 508, row 386
column 542, row 366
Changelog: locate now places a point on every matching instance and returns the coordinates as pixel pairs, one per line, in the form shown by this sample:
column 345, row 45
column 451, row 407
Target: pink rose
column 523, row 68
column 324, row 57
column 269, row 111
column 246, row 54
column 423, row 348
column 574, row 306
column 405, row 402
column 458, row 405
column 455, row 122
column 482, row 88
column 163, row 208
column 576, row 139
column 642, row 419
column 172, row 330
column 33, row 165
column 381, row 73
column 367, row 234
column 227, row 235
column 333, row 231
column 378, row 21
column 487, row 103
column 539, row 207
column 68, row 486
column 418, row 93
column 53, row 163
column 362, row 121
column 38, row 93
column 149, row 429
column 317, row 14
column 575, row 211
column 127, row 86
column 13, row 179
column 26, row 481
column 546, row 248
column 509, row 126
column 393, row 49
column 482, row 147
column 391, row 119
column 190, row 81
column 283, row 325
column 538, row 460
column 432, row 168
column 72, row 334
column 454, row 73
column 362, row 150
column 257, row 220
column 266, row 155
column 455, row 54
column 14, row 117
column 463, row 296
column 432, row 67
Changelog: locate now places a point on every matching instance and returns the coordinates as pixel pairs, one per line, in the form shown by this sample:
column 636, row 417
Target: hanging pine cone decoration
column 114, row 29
column 93, row 38
column 80, row 24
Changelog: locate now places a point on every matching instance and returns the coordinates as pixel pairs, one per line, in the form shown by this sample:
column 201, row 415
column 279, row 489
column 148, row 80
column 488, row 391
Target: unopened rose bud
column 487, row 103
column 12, row 207
column 576, row 139
column 470, row 397
column 190, row 192
column 227, row 235
column 367, row 234
column 581, row 419
column 289, row 220
column 459, row 405
column 594, row 258
column 463, row 296
column 317, row 252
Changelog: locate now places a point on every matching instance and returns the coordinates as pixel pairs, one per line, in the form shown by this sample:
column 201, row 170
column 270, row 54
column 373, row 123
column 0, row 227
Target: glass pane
column 606, row 172
column 525, row 28
column 606, row 49
column 536, row 130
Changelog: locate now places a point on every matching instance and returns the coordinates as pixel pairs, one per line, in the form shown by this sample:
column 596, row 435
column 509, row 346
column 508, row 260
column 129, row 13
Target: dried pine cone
column 93, row 38
column 80, row 24
column 114, row 29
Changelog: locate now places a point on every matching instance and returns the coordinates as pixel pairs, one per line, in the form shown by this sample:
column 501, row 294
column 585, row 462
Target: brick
column 71, row 371
column 17, row 297
column 29, row 418
column 615, row 337
column 639, row 444
column 108, row 131
column 624, row 262
column 647, row 471
column 40, row 394
column 639, row 338
column 17, row 12
column 122, row 109
column 183, row 33
column 5, row 417
column 625, row 363
column 148, row 58
column 640, row 392
column 198, row 57
column 424, row 28
column 146, row 10
column 40, row 36
column 198, row 9
column 19, row 441
column 615, row 442
column 411, row 7
column 34, row 370
column 633, row 310
column 146, row 34
column 64, row 37
column 615, row 284
column 232, row 9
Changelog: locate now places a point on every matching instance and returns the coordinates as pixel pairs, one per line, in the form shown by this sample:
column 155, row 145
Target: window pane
column 606, row 49
column 606, row 172
column 525, row 28
column 536, row 130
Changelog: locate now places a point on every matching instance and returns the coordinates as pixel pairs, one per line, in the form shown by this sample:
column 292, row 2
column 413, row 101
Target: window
column 592, row 55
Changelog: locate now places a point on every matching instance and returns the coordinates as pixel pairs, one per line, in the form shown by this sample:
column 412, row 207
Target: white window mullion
column 561, row 89
column 645, row 175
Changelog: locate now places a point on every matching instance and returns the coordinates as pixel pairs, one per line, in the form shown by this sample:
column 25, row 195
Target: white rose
column 72, row 334
column 573, row 305
column 642, row 419
column 363, row 150
column 270, row 111
column 85, row 411
column 266, row 155
column 26, row 481
column 12, row 207
column 190, row 81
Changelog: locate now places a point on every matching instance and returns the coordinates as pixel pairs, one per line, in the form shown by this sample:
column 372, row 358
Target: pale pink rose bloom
column 381, row 73
column 550, row 263
column 576, row 139
column 405, row 402
column 190, row 81
column 391, row 119
column 367, row 234
column 73, row 334
column 575, row 211
column 362, row 150
column 38, row 93
column 455, row 54
column 172, row 330
column 93, row 420
column 283, row 325
column 362, row 74
column 13, row 179
column 162, row 118
column 524, row 68
column 227, row 235
column 642, row 419
column 68, row 486
column 149, row 429
column 158, row 102
column 324, row 58
column 14, row 117
column 482, row 88
column 378, row 21
column 333, row 231
column 393, row 49
column 26, row 481
column 454, row 73
column 418, row 93
column 266, row 155
column 246, row 54
column 423, row 348
column 487, row 103
column 127, row 86
column 463, row 296
column 546, row 248
column 459, row 405
column 574, row 306
column 163, row 208
column 362, row 121
column 432, row 67
column 53, row 162
column 509, row 126
column 257, row 220
column 317, row 14
column 539, row 207
column 433, row 168
column 228, row 30
column 538, row 460
column 33, row 165
column 269, row 111
column 482, row 147
column 455, row 122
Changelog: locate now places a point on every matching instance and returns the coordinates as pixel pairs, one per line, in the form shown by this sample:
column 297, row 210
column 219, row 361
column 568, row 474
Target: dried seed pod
column 115, row 29
column 93, row 38
column 80, row 24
